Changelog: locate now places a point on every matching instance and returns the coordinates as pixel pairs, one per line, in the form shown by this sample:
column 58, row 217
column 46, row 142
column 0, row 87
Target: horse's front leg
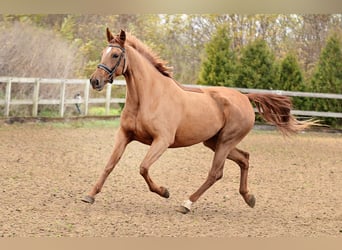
column 121, row 141
column 158, row 147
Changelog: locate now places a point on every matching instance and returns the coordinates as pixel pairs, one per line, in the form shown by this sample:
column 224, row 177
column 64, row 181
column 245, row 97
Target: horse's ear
column 122, row 36
column 110, row 36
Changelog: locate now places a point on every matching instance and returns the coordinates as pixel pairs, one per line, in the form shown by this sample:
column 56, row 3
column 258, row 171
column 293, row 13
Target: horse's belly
column 196, row 130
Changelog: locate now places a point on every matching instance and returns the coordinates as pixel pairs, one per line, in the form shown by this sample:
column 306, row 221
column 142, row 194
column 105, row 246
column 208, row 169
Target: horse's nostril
column 94, row 82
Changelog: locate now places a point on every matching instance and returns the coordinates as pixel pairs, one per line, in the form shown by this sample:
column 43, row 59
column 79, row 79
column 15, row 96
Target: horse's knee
column 143, row 170
column 212, row 178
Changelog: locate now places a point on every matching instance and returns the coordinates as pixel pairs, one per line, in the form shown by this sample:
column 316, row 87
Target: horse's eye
column 115, row 55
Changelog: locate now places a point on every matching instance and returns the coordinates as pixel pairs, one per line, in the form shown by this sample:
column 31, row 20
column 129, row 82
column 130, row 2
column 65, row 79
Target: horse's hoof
column 166, row 193
column 183, row 210
column 251, row 201
column 88, row 199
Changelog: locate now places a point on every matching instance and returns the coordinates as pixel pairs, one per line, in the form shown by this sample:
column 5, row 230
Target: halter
column 111, row 71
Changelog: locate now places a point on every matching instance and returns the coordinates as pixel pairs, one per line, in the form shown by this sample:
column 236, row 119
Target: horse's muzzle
column 96, row 83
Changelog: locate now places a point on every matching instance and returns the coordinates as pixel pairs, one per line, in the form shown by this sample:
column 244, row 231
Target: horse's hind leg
column 242, row 159
column 216, row 172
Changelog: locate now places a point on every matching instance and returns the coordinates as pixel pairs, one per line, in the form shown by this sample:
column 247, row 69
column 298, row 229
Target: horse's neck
column 132, row 96
column 143, row 80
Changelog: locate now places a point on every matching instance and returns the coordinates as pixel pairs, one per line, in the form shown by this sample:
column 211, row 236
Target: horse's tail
column 276, row 110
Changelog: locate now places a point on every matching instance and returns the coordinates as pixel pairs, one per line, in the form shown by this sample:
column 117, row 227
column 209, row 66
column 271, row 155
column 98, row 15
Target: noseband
column 111, row 71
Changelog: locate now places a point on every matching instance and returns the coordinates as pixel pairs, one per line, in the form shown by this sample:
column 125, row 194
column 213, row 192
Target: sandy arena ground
column 47, row 169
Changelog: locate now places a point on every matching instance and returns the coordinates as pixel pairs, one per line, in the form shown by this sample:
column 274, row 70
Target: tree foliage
column 328, row 77
column 328, row 73
column 219, row 65
column 257, row 67
column 180, row 39
column 290, row 75
column 291, row 79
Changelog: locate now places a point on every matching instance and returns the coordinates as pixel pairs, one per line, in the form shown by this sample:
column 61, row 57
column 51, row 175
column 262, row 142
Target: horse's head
column 113, row 61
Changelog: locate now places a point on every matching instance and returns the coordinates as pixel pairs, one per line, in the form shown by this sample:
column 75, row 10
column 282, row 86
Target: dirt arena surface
column 47, row 169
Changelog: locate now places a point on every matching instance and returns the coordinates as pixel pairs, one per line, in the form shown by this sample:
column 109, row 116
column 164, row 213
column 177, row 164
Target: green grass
column 94, row 111
column 49, row 113
column 102, row 111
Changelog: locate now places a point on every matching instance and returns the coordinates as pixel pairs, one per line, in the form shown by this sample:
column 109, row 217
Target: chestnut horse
column 164, row 114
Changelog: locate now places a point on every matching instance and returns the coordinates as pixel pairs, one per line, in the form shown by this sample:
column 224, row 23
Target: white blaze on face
column 108, row 50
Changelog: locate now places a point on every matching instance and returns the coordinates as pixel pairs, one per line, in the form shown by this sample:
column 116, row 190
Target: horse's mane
column 145, row 51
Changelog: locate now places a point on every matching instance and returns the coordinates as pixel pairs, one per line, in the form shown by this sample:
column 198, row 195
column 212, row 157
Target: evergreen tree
column 291, row 76
column 328, row 73
column 257, row 67
column 328, row 78
column 291, row 79
column 219, row 66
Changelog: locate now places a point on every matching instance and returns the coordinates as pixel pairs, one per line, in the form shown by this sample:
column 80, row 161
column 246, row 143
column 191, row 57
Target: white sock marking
column 187, row 204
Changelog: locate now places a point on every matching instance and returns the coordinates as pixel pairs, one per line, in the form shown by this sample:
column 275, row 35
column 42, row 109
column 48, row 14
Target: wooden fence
column 7, row 101
column 62, row 101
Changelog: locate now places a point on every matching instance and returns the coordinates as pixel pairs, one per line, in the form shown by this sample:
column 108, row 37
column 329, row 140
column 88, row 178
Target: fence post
column 108, row 95
column 35, row 98
column 86, row 97
column 8, row 97
column 62, row 99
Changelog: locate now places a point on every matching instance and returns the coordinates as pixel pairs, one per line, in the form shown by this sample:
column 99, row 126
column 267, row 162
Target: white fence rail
column 62, row 101
column 7, row 101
